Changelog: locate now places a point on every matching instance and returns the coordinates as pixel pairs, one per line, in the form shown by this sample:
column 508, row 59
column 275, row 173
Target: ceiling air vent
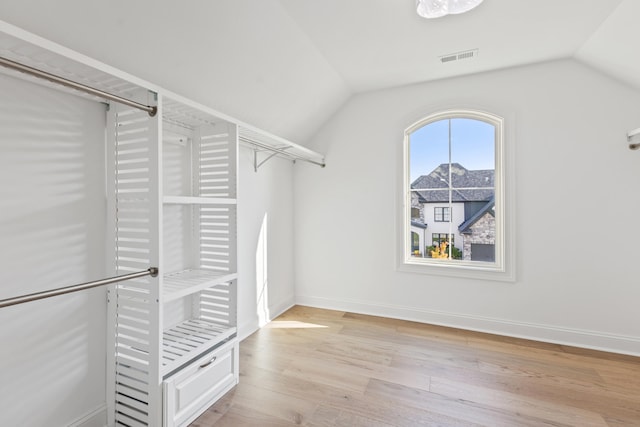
column 467, row 54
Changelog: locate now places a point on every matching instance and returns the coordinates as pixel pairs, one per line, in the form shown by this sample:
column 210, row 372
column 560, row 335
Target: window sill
column 467, row 271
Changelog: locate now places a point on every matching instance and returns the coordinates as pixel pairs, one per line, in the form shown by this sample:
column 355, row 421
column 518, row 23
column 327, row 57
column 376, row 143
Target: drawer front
column 189, row 392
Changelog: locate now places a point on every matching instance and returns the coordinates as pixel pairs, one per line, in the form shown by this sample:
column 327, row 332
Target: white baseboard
column 251, row 325
column 247, row 328
column 95, row 418
column 546, row 333
column 282, row 307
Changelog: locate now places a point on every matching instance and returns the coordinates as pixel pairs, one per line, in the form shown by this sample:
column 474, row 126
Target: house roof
column 465, row 227
column 468, row 185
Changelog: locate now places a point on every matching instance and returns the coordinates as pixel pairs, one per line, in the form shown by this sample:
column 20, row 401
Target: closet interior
column 172, row 200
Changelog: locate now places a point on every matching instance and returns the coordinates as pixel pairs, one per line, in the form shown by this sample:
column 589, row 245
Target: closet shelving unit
column 172, row 202
column 172, row 194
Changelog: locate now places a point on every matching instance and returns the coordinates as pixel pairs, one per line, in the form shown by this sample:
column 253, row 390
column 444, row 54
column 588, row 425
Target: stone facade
column 415, row 203
column 482, row 232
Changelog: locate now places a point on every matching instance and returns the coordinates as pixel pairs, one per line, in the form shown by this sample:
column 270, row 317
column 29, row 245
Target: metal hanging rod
column 279, row 151
column 75, row 85
column 152, row 271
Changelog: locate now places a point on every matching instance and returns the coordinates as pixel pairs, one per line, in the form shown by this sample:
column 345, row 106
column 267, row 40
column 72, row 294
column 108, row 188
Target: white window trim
column 504, row 267
column 448, row 210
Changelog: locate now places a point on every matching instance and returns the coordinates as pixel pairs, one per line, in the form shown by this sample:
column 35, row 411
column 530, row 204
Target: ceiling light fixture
column 438, row 8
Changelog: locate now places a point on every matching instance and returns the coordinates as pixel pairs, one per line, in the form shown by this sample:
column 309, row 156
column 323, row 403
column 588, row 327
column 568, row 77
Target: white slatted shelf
column 187, row 282
column 190, row 339
column 284, row 148
column 33, row 51
column 188, row 200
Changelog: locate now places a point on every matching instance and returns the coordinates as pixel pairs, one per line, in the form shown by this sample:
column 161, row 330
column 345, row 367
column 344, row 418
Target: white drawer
column 193, row 389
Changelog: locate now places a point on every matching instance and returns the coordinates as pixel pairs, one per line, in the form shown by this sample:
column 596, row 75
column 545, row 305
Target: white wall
column 457, row 218
column 265, row 240
column 576, row 280
column 52, row 234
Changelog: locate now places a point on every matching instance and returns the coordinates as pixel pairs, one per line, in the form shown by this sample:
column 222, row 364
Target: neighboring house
column 467, row 211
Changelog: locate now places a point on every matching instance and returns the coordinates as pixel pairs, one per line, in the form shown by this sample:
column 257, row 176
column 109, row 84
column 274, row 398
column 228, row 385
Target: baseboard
column 251, row 325
column 95, row 418
column 546, row 333
column 282, row 307
column 247, row 328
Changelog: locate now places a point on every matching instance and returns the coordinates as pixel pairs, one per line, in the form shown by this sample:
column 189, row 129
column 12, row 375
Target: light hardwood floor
column 316, row 367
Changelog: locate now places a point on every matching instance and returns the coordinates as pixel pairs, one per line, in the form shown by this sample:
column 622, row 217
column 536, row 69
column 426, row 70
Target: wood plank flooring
column 314, row 367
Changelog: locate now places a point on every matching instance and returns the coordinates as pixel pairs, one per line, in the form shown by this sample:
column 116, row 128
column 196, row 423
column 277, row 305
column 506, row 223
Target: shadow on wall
column 52, row 234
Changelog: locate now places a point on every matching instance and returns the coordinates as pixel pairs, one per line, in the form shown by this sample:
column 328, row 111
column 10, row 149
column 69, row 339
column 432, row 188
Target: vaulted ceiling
column 287, row 65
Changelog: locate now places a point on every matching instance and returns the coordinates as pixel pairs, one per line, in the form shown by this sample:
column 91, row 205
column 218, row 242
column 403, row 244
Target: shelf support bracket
column 256, row 164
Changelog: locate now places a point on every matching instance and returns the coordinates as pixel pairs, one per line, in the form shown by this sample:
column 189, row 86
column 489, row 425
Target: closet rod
column 75, row 85
column 152, row 271
column 278, row 151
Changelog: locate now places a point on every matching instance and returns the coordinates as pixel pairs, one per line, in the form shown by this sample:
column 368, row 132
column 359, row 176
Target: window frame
column 443, row 217
column 443, row 237
column 503, row 269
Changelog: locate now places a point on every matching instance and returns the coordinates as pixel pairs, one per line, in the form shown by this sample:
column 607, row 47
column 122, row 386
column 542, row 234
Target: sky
column 472, row 146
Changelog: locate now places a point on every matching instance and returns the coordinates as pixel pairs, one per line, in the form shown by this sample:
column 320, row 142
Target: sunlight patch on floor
column 292, row 324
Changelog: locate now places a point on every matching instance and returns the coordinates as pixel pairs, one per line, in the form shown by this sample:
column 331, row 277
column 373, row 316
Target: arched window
column 415, row 242
column 454, row 175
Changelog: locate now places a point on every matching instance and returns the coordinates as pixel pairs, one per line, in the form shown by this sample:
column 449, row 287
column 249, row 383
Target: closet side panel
column 134, row 381
column 216, row 164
